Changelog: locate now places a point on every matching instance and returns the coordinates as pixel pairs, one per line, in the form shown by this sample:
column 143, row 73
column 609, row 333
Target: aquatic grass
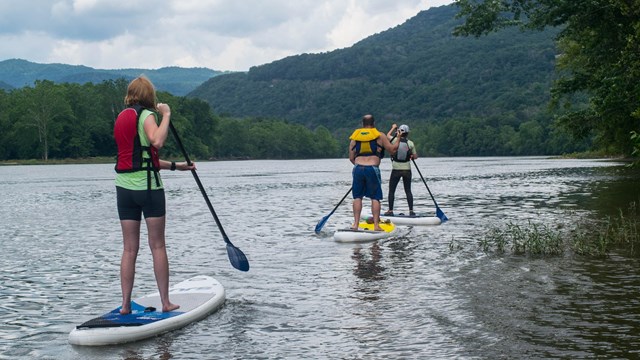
column 494, row 238
column 588, row 237
column 591, row 238
column 618, row 233
column 532, row 239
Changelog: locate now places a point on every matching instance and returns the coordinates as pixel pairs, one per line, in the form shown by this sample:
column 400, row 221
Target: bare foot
column 170, row 307
column 354, row 227
column 125, row 309
column 378, row 229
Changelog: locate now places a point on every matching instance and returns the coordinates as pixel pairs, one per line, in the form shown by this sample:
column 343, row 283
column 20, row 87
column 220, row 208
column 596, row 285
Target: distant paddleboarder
column 401, row 166
column 366, row 148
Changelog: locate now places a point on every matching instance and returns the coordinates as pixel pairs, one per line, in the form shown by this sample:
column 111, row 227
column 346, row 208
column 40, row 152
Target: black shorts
column 133, row 203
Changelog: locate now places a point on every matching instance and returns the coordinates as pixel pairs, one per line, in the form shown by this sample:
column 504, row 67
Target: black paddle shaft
column 425, row 182
column 324, row 219
column 341, row 200
column 439, row 213
column 195, row 176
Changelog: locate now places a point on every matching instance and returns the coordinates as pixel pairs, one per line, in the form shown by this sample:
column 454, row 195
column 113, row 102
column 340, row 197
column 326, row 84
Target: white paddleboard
column 416, row 220
column 198, row 297
column 364, row 233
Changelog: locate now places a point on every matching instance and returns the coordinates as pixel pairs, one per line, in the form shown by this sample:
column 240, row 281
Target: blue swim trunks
column 366, row 182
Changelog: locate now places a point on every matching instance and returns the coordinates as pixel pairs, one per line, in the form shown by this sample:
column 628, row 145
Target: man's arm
column 392, row 148
column 390, row 133
column 352, row 152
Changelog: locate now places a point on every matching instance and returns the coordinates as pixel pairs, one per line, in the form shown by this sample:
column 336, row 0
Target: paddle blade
column 321, row 223
column 441, row 215
column 237, row 258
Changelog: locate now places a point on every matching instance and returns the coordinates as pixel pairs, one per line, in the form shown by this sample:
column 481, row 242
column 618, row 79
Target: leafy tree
column 273, row 139
column 325, row 144
column 232, row 138
column 44, row 107
column 531, row 135
column 107, row 105
column 195, row 124
column 5, row 124
column 76, row 137
column 600, row 44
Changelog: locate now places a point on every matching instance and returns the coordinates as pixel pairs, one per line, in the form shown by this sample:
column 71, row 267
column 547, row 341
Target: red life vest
column 130, row 150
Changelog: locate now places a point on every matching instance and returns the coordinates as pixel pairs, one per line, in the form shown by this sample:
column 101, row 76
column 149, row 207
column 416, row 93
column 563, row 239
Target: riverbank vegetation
column 87, row 160
column 50, row 122
column 619, row 233
column 598, row 60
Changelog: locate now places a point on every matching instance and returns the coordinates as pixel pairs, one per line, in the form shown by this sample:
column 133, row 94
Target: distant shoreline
column 107, row 160
column 112, row 160
column 92, row 160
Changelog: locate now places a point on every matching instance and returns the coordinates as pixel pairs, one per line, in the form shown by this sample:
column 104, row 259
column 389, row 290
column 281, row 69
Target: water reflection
column 162, row 351
column 159, row 347
column 402, row 252
column 610, row 196
column 368, row 265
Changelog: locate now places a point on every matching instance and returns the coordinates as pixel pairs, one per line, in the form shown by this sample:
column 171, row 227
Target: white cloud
column 218, row 34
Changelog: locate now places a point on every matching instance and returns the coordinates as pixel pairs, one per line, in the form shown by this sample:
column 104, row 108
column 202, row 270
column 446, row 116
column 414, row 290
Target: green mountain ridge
column 179, row 81
column 416, row 71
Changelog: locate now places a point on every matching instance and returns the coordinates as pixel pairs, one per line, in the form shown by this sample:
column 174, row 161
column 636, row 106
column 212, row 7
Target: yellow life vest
column 366, row 144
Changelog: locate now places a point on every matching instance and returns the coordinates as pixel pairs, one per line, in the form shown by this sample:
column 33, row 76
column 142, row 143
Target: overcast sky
column 217, row 34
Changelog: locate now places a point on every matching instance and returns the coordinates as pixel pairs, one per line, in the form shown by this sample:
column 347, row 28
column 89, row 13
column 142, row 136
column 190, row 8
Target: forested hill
column 417, row 71
column 18, row 73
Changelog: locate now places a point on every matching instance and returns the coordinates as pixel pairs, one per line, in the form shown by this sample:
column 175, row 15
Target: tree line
column 70, row 120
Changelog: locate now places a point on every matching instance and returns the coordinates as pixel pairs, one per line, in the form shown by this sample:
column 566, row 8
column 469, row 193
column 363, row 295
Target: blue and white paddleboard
column 198, row 297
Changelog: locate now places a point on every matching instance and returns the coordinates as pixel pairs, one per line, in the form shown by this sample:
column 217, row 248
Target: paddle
column 324, row 219
column 439, row 213
column 236, row 256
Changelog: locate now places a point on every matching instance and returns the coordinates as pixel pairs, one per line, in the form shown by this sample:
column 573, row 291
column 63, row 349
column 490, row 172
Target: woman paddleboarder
column 139, row 187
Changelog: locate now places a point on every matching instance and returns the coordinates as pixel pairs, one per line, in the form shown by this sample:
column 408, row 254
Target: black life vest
column 130, row 149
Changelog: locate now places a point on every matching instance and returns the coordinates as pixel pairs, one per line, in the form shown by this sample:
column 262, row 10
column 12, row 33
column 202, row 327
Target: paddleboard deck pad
column 140, row 315
column 415, row 220
column 365, row 232
column 198, row 297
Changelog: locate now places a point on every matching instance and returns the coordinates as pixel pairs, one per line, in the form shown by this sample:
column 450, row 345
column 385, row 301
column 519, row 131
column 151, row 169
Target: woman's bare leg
column 155, row 227
column 131, row 244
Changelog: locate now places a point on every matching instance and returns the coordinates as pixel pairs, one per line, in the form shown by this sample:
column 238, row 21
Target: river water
column 429, row 293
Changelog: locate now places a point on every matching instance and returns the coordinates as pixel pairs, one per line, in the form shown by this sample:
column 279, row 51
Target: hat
column 404, row 129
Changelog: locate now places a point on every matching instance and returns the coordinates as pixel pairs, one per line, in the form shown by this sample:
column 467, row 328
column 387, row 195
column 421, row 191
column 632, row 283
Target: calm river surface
column 430, row 293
